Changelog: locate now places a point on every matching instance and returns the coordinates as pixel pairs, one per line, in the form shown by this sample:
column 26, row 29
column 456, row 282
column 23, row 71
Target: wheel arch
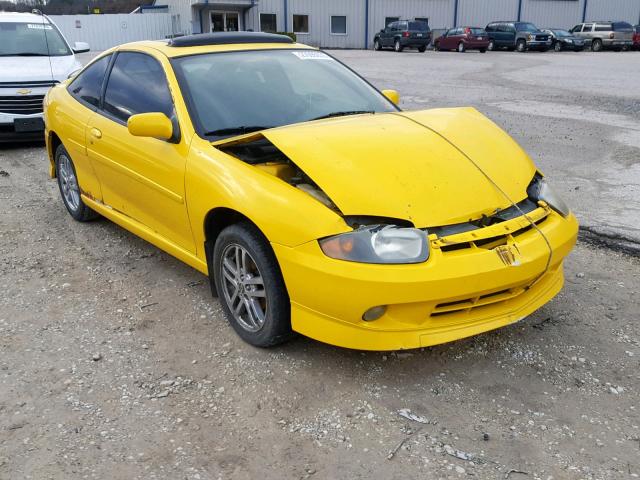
column 53, row 142
column 215, row 221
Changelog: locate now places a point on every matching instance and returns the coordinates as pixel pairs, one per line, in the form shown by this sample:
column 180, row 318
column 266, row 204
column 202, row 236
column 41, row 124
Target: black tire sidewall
column 82, row 213
column 277, row 326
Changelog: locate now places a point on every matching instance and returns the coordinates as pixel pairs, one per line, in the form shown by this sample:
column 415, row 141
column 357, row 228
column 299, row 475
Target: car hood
column 432, row 168
column 22, row 69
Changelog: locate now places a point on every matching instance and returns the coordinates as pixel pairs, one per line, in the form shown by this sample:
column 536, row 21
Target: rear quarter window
column 622, row 27
column 87, row 86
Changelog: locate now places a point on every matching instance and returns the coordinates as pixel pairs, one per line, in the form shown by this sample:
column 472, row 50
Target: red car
column 463, row 39
column 636, row 37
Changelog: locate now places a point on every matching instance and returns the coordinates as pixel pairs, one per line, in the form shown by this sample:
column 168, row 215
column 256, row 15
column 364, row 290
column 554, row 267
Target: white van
column 33, row 57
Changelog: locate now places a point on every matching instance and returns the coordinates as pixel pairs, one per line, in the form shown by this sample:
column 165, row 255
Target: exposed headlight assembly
column 539, row 189
column 378, row 244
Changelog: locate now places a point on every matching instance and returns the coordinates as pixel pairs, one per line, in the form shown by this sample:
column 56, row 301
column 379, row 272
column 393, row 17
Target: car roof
column 165, row 48
column 16, row 17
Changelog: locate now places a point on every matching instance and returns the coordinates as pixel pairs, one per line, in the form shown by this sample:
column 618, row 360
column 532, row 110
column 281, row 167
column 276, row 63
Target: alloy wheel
column 243, row 287
column 68, row 183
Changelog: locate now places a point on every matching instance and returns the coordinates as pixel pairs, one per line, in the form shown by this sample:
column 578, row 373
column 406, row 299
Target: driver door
column 141, row 177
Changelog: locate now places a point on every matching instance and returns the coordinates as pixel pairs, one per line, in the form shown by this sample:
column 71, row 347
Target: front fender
column 284, row 214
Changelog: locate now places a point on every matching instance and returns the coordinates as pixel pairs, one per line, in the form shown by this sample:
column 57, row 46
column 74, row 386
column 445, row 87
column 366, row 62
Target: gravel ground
column 115, row 362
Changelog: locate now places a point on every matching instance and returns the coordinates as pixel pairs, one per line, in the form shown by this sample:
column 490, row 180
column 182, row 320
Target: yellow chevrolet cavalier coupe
column 313, row 203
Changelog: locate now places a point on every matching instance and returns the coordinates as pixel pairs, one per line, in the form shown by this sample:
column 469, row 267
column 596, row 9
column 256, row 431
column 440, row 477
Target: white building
column 352, row 23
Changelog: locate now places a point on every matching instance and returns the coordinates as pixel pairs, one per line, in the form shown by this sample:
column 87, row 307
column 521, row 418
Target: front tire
column 250, row 286
column 376, row 45
column 521, row 46
column 596, row 46
column 557, row 47
column 69, row 187
column 397, row 46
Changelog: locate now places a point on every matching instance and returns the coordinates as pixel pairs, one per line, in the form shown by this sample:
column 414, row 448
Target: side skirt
column 147, row 234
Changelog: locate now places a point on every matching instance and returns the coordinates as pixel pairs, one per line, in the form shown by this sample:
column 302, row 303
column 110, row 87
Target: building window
column 423, row 19
column 301, row 23
column 268, row 22
column 338, row 25
column 388, row 20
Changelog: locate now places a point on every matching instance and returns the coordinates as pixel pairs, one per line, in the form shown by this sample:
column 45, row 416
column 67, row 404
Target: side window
column 575, row 29
column 87, row 86
column 587, row 27
column 603, row 28
column 137, row 84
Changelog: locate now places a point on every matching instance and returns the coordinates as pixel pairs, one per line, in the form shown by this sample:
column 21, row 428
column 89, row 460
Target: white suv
column 34, row 56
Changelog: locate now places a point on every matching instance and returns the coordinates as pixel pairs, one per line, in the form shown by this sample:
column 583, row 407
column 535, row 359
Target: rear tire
column 483, row 50
column 250, row 286
column 521, row 46
column 69, row 187
column 461, row 48
column 397, row 46
column 596, row 45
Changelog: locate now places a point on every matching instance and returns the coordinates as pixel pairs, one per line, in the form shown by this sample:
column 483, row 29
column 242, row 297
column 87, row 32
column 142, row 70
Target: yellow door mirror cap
column 392, row 95
column 152, row 124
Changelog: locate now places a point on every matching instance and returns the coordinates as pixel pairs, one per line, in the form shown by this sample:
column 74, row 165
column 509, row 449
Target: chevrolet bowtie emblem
column 24, row 91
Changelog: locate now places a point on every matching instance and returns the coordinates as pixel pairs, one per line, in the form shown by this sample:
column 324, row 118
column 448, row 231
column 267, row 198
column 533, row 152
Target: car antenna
column 46, row 40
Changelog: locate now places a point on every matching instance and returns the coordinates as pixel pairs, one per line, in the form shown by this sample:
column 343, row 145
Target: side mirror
column 392, row 95
column 81, row 47
column 153, row 124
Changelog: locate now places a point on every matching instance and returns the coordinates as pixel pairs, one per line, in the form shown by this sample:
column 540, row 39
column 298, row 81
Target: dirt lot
column 116, row 363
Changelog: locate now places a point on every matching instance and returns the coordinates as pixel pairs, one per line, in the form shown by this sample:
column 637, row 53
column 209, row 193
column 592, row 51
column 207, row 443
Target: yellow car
column 313, row 203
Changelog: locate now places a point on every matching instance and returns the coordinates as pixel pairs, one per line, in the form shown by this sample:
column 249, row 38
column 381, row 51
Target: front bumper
column 10, row 132
column 538, row 45
column 455, row 294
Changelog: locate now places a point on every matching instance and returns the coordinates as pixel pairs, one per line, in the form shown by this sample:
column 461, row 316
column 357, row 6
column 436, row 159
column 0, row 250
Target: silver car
column 34, row 56
column 601, row 35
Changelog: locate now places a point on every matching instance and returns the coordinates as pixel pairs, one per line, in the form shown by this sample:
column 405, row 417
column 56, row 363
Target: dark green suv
column 404, row 34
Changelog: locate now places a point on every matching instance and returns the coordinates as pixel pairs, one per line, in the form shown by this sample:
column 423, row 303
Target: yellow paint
column 428, row 167
column 154, row 124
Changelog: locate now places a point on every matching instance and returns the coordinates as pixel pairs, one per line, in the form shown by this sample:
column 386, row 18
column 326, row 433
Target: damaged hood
column 410, row 165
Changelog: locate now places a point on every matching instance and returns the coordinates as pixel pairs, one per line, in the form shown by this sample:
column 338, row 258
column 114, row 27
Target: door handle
column 96, row 133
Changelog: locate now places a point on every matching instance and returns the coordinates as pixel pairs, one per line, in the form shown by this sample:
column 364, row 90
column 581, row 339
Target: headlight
column 378, row 244
column 540, row 189
column 532, row 37
column 568, row 40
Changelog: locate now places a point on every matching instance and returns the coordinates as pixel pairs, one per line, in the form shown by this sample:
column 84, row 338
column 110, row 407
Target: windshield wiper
column 24, row 54
column 342, row 114
column 235, row 131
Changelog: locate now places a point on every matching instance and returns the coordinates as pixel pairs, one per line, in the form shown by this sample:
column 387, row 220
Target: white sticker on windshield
column 311, row 55
column 39, row 26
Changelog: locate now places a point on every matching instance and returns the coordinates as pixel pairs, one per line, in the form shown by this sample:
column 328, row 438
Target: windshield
column 526, row 27
column 238, row 92
column 561, row 33
column 31, row 39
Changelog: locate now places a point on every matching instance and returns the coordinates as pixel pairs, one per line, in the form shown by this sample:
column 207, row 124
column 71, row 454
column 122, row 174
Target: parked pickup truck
column 520, row 36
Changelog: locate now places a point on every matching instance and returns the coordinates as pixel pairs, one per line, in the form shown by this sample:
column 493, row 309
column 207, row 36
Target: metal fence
column 106, row 31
